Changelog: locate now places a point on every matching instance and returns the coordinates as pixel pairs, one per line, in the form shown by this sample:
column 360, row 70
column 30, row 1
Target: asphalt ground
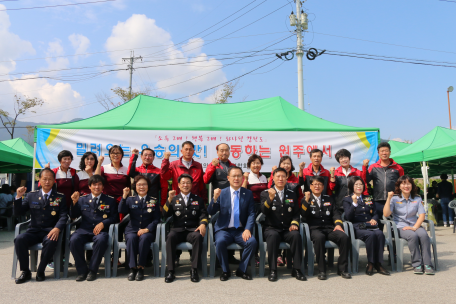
column 400, row 287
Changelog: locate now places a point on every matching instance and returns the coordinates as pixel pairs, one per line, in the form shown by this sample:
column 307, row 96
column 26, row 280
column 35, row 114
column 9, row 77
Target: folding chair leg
column 163, row 260
column 355, row 255
column 400, row 256
column 107, row 260
column 13, row 274
column 114, row 261
column 434, row 251
column 33, row 260
column 156, row 253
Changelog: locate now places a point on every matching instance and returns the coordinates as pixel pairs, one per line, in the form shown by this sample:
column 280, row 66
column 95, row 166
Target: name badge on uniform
column 134, row 206
column 35, row 203
column 273, row 208
column 178, row 213
column 178, row 205
column 289, row 209
column 327, row 204
column 105, row 216
column 85, row 206
column 327, row 212
column 149, row 210
column 414, row 202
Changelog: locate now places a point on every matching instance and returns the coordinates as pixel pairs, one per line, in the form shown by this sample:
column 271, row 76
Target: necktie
column 185, row 199
column 142, row 202
column 46, row 199
column 95, row 202
column 281, row 195
column 360, row 200
column 236, row 209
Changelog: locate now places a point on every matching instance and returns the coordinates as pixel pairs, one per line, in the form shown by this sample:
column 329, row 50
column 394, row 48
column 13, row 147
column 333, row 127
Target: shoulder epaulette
column 60, row 193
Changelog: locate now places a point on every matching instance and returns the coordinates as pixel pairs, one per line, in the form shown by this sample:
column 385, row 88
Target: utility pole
column 131, row 60
column 300, row 21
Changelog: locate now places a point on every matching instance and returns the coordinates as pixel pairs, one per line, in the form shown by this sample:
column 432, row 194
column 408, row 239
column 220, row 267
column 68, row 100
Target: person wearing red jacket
column 384, row 175
column 339, row 180
column 217, row 171
column 157, row 182
column 88, row 165
column 316, row 169
column 66, row 179
column 186, row 164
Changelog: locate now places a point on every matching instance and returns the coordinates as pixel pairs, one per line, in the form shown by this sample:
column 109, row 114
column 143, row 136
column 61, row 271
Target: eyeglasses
column 116, row 153
column 141, row 185
column 317, row 185
column 236, row 176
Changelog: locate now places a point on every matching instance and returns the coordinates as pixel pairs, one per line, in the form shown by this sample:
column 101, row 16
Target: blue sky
column 404, row 100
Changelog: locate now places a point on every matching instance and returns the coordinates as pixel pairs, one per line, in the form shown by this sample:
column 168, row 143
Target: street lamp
column 450, row 89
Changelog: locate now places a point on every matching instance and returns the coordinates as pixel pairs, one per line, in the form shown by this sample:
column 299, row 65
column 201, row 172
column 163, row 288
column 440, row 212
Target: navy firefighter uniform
column 144, row 214
column 47, row 211
column 93, row 210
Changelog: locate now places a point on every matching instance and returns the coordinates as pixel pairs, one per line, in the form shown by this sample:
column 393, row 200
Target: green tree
column 22, row 105
column 109, row 102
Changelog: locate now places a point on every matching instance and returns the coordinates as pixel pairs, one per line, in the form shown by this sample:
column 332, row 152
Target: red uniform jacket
column 340, row 186
column 217, row 176
column 176, row 168
column 308, row 172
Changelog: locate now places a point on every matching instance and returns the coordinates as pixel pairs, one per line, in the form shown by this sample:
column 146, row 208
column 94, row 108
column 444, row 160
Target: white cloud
column 12, row 46
column 79, row 42
column 141, row 32
column 55, row 49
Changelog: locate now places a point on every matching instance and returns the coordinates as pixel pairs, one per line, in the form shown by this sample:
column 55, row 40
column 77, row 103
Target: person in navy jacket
column 48, row 213
column 235, row 222
column 98, row 212
column 140, row 232
column 361, row 211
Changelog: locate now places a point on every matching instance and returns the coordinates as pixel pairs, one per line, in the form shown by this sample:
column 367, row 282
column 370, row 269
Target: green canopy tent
column 152, row 113
column 435, row 150
column 16, row 156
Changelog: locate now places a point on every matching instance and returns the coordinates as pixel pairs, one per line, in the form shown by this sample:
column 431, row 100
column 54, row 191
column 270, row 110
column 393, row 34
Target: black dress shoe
column 233, row 260
column 272, row 276
column 132, row 274
column 92, row 276
column 369, row 272
column 40, row 277
column 24, row 277
column 170, row 277
column 81, row 277
column 298, row 274
column 225, row 276
column 344, row 274
column 243, row 275
column 140, row 274
column 381, row 270
column 322, row 275
column 194, row 277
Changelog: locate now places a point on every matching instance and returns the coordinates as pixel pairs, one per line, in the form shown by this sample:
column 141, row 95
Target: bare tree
column 224, row 94
column 108, row 101
column 30, row 134
column 21, row 106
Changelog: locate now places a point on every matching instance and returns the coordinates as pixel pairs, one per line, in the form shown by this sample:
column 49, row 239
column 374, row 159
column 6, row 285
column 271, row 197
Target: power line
column 57, row 5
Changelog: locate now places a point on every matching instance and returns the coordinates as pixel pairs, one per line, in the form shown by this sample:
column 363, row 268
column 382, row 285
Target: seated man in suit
column 280, row 206
column 325, row 223
column 48, row 213
column 235, row 222
column 98, row 212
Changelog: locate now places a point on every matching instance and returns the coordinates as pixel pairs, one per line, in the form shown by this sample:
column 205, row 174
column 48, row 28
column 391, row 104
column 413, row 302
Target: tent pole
column 452, row 177
column 33, row 166
column 425, row 173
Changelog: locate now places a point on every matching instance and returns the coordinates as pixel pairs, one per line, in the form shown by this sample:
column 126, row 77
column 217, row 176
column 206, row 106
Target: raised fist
column 167, row 155
column 390, row 194
column 332, row 170
column 88, row 169
column 100, row 159
column 126, row 192
column 135, row 151
column 246, row 174
column 307, row 196
column 215, row 162
column 365, row 163
column 302, row 166
column 48, row 165
column 172, row 194
column 274, row 167
column 75, row 197
column 217, row 193
column 355, row 198
column 272, row 193
column 20, row 191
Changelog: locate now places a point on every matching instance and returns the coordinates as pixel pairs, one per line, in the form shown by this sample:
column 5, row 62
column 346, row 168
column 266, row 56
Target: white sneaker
column 445, row 225
column 451, row 225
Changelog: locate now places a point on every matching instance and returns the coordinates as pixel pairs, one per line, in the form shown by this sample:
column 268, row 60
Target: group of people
column 102, row 195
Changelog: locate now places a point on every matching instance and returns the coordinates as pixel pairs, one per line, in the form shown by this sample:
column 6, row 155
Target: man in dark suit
column 235, row 222
column 98, row 212
column 281, row 208
column 48, row 212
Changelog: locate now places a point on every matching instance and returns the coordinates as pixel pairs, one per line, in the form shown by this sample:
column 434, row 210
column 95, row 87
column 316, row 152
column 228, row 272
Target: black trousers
column 174, row 238
column 100, row 244
column 375, row 243
column 24, row 240
column 319, row 237
column 273, row 238
column 379, row 208
column 138, row 245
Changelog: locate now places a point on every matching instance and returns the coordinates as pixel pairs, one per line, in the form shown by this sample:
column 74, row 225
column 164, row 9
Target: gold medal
column 50, row 199
column 53, row 213
column 149, row 210
column 105, row 216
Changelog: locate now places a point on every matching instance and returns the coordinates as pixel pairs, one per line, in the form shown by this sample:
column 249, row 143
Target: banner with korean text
column 268, row 144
